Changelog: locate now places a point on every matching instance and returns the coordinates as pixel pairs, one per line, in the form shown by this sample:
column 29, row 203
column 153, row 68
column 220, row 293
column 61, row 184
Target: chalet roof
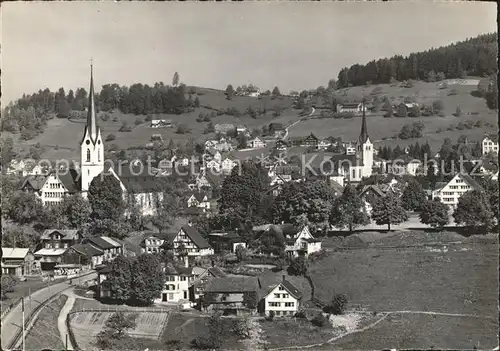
column 234, row 284
column 102, row 243
column 195, row 236
column 70, row 179
column 470, row 181
column 34, row 181
column 50, row 252
column 492, row 137
column 170, row 269
column 269, row 281
column 199, row 195
column 11, row 253
column 87, row 250
column 216, row 272
column 67, row 234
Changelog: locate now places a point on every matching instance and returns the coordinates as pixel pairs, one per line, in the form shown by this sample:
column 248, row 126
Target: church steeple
column 91, row 129
column 363, row 136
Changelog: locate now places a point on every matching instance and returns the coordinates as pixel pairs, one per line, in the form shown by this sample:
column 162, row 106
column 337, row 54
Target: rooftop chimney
column 284, row 277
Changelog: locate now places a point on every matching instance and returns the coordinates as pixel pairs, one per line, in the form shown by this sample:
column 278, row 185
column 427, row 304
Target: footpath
column 13, row 321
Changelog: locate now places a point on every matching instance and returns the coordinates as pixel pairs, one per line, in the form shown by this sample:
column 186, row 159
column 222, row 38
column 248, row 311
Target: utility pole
column 24, row 331
column 29, row 294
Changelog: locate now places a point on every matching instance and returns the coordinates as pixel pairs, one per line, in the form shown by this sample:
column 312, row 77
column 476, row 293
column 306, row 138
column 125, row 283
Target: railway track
column 16, row 341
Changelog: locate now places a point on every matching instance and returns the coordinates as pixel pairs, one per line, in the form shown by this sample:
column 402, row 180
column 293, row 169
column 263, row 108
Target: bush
column 125, row 128
column 301, row 315
column 270, row 316
column 319, row 320
column 148, row 118
column 338, row 304
column 105, row 117
column 137, row 121
column 182, row 129
column 110, row 137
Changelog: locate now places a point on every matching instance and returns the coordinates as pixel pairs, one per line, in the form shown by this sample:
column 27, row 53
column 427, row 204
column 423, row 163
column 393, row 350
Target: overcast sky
column 295, row 45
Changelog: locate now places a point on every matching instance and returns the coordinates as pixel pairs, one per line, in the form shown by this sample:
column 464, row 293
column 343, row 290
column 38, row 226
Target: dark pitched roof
column 178, row 270
column 214, row 179
column 36, row 182
column 100, row 243
column 363, row 136
column 217, row 272
column 70, row 180
column 67, row 234
column 269, row 281
column 195, row 236
column 87, row 250
column 471, row 181
column 135, row 178
column 276, row 126
column 235, row 284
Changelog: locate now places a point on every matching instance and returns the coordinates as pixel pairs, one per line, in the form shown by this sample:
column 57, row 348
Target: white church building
column 134, row 179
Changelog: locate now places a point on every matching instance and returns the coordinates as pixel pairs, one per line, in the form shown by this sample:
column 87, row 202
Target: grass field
column 404, row 331
column 61, row 137
column 380, row 127
column 44, row 333
column 459, row 279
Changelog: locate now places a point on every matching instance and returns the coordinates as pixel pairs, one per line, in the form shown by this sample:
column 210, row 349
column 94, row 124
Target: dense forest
column 475, row 56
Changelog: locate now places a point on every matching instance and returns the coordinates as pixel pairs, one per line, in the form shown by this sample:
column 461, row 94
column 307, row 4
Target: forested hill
column 475, row 56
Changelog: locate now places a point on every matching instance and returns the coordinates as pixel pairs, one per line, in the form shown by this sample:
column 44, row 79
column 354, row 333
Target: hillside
column 473, row 108
column 61, row 136
column 474, row 56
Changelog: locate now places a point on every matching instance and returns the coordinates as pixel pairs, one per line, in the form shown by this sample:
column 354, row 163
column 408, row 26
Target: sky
column 292, row 45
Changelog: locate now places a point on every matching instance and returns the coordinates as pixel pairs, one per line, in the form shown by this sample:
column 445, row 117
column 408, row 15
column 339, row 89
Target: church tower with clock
column 91, row 147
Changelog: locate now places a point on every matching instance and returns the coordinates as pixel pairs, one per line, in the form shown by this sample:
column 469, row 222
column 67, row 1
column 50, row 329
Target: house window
column 274, row 304
column 285, row 296
column 183, row 279
column 88, row 155
column 99, row 155
column 281, row 288
column 170, row 296
column 185, row 294
column 277, row 296
column 170, row 278
column 289, row 304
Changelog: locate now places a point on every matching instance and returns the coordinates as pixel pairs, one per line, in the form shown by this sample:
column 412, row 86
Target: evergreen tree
column 388, row 210
column 119, row 279
column 276, row 92
column 175, row 79
column 229, row 92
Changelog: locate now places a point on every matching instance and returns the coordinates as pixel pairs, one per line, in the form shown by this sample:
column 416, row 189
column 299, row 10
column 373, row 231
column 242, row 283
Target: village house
column 354, row 107
column 161, row 123
column 212, row 154
column 495, row 176
column 225, row 242
column 189, row 241
column 324, row 144
column 210, row 144
column 490, row 143
column 300, row 242
column 199, row 199
column 310, row 141
column 111, row 248
column 281, row 145
column 451, row 192
column 214, row 166
column 256, row 143
column 242, row 129
column 54, row 243
column 17, row 262
column 224, row 128
column 227, row 165
column 266, row 294
column 177, row 282
column 276, row 130
column 102, row 284
column 202, row 277
column 282, row 298
column 153, row 242
column 52, row 188
column 83, row 255
column 208, row 180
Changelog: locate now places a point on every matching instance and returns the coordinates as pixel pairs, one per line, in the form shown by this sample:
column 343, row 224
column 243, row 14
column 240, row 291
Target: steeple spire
column 91, row 115
column 363, row 136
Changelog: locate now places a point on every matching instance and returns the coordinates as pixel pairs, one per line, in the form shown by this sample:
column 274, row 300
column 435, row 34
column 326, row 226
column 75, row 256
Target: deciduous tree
column 388, row 210
column 474, row 211
column 106, row 199
column 434, row 213
column 348, row 210
column 413, row 196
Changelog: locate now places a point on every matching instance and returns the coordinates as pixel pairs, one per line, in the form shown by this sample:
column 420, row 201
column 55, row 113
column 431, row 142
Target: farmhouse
column 256, row 143
column 324, row 144
column 202, row 277
column 354, row 107
column 227, row 165
column 276, row 130
column 239, row 295
column 225, row 242
column 311, row 141
column 54, row 243
column 17, row 261
column 490, row 144
column 83, row 255
column 110, row 247
column 153, row 242
column 450, row 193
column 208, row 180
column 281, row 145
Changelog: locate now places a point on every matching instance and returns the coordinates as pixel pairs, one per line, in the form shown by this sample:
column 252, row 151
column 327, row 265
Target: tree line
column 474, row 56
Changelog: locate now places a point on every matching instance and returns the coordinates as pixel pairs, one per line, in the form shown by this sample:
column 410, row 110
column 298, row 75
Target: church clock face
column 87, row 142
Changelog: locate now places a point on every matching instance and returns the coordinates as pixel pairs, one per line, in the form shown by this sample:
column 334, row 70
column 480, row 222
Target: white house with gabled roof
column 451, row 192
column 301, row 243
column 283, row 299
column 489, row 144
